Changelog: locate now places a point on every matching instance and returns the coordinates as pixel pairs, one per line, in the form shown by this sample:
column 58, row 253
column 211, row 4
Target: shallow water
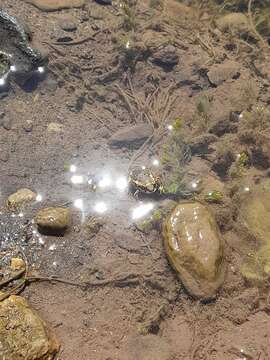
column 55, row 140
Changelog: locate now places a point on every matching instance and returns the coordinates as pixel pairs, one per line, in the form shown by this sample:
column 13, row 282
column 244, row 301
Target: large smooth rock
column 20, row 198
column 195, row 249
column 53, row 220
column 131, row 136
column 54, row 5
column 23, row 335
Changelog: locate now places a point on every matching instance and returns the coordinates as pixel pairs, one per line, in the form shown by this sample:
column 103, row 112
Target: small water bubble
column 156, row 162
column 12, row 68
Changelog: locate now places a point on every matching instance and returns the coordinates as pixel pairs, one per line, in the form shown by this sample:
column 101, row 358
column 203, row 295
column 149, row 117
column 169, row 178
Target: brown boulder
column 23, row 335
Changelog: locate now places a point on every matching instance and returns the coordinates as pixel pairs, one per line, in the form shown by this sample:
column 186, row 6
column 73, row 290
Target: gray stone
column 131, row 136
column 68, row 23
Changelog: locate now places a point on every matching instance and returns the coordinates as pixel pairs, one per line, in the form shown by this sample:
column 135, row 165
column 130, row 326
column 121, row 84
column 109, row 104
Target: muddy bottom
column 118, row 80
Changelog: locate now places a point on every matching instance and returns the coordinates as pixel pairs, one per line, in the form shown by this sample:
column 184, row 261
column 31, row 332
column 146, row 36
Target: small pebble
column 28, row 126
column 17, row 264
column 68, row 24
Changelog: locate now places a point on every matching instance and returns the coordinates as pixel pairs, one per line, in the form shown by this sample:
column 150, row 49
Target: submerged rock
column 55, row 127
column 54, row 5
column 236, row 23
column 131, row 136
column 68, row 23
column 23, row 335
column 20, row 198
column 195, row 249
column 166, row 57
column 178, row 12
column 53, row 220
column 15, row 44
column 255, row 212
column 222, row 72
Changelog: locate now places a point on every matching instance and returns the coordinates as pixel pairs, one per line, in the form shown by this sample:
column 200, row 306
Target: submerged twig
column 154, row 109
column 80, row 40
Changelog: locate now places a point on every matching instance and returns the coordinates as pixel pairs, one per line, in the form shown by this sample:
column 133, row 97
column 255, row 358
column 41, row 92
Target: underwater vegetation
column 176, row 153
column 238, row 167
column 214, row 196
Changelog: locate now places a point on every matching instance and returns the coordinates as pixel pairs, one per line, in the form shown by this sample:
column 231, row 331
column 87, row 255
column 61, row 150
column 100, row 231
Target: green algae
column 214, row 196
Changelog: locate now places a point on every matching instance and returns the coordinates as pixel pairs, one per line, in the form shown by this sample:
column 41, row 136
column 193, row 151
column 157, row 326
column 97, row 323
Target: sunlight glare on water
column 121, row 183
column 73, row 168
column 105, row 181
column 141, row 210
column 2, row 81
column 78, row 203
column 41, row 69
column 77, row 179
column 100, row 207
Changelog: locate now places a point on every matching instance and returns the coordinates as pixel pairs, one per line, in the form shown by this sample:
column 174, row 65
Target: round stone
column 53, row 220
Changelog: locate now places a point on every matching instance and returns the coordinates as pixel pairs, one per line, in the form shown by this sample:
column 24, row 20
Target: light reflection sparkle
column 78, row 203
column 121, row 183
column 77, row 179
column 105, row 181
column 100, row 207
column 73, row 168
column 141, row 211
